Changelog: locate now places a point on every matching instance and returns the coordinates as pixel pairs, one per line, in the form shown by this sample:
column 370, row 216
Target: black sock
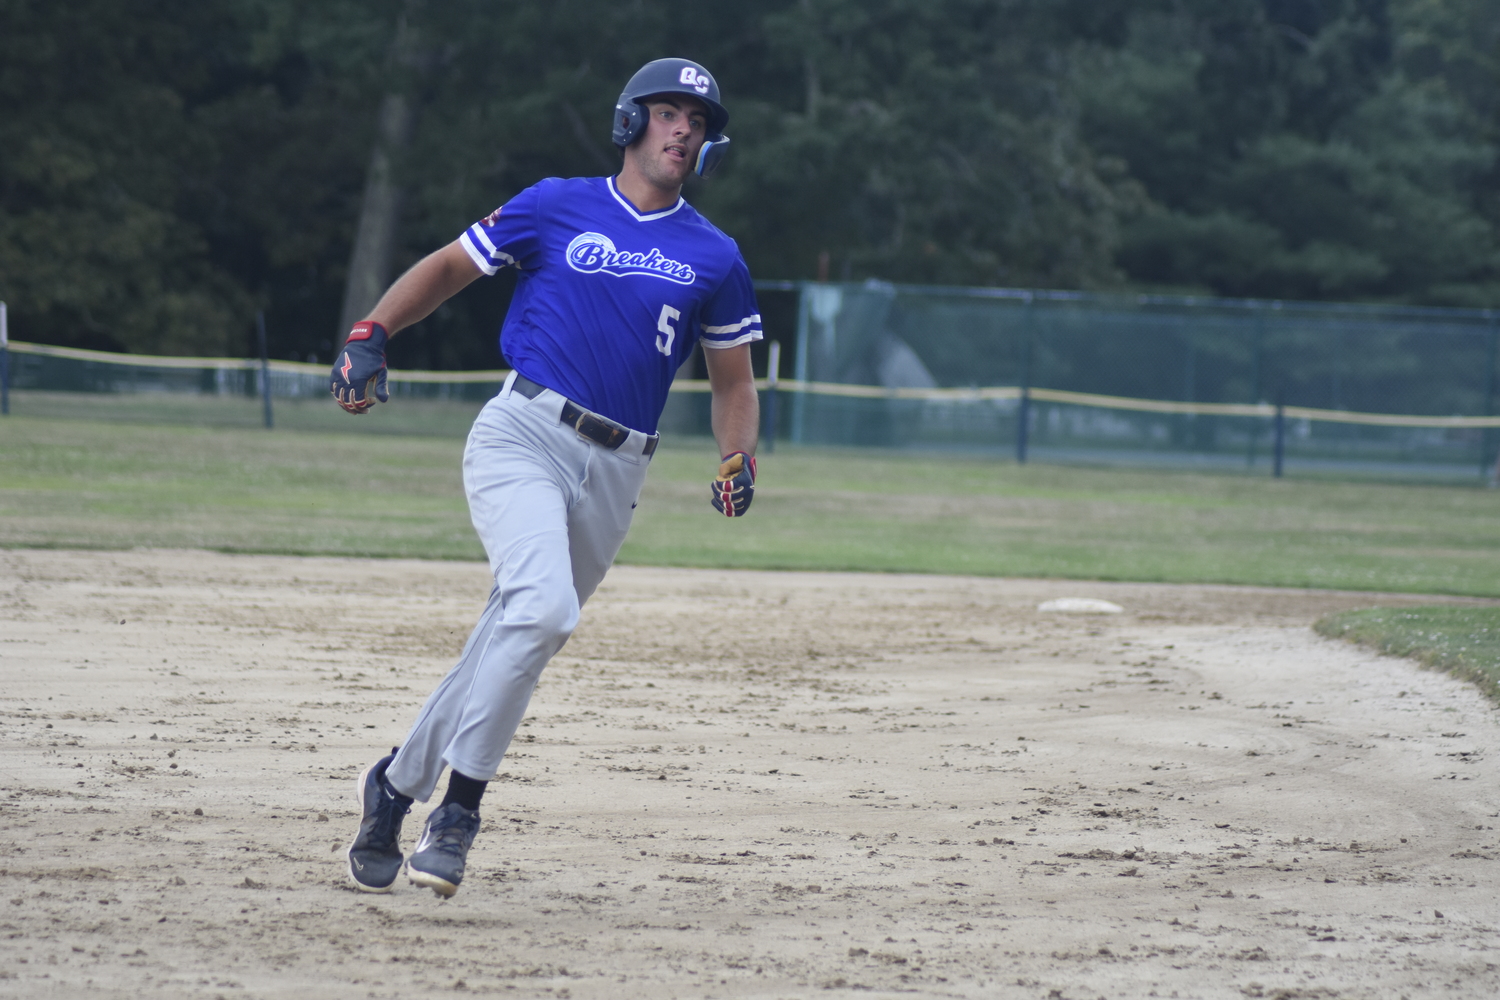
column 464, row 790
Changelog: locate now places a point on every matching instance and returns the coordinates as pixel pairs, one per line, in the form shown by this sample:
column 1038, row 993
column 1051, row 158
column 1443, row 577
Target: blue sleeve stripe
column 479, row 257
column 734, row 327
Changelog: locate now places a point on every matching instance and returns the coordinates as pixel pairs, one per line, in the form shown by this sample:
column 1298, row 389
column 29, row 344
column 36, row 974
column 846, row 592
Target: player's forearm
column 736, row 407
column 736, row 418
column 429, row 283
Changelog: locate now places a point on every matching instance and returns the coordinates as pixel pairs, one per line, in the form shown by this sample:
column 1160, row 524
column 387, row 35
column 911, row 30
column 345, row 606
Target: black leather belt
column 600, row 430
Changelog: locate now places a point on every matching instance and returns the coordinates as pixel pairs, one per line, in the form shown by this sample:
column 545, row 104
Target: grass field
column 91, row 484
column 1462, row 641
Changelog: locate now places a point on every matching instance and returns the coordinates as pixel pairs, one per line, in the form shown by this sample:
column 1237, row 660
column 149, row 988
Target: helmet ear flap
column 630, row 119
column 709, row 156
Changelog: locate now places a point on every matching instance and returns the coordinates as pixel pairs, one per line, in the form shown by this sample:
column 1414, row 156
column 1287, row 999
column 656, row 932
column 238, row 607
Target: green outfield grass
column 84, row 483
column 1463, row 641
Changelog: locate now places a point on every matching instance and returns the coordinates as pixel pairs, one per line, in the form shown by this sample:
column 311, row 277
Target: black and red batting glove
column 734, row 487
column 359, row 373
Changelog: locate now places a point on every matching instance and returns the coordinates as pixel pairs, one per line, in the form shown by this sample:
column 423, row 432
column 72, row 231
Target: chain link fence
column 1069, row 376
column 1037, row 375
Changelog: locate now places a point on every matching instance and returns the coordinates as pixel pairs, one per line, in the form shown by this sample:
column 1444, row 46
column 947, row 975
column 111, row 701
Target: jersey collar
column 625, row 204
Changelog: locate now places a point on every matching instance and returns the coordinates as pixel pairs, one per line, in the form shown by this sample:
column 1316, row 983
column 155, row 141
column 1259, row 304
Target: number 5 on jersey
column 668, row 332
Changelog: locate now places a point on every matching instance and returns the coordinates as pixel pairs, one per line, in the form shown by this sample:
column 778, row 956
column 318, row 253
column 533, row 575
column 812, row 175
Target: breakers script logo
column 595, row 252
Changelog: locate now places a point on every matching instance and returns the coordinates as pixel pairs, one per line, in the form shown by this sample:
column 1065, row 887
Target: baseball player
column 619, row 279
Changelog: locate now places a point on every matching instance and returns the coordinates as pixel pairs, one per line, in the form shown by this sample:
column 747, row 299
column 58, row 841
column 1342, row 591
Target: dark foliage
column 169, row 166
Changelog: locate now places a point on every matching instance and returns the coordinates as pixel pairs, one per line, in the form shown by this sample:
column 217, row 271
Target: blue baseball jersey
column 611, row 300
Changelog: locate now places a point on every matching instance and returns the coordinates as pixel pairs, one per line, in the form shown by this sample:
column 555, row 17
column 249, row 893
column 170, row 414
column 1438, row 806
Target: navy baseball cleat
column 438, row 861
column 375, row 856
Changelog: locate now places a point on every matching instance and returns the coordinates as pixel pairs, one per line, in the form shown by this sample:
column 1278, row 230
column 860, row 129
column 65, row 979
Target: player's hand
column 734, row 487
column 358, row 379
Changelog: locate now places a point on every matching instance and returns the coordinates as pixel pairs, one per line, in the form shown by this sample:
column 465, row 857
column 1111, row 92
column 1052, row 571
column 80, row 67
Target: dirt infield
column 738, row 784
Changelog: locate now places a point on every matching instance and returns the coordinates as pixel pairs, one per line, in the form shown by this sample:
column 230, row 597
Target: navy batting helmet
column 673, row 76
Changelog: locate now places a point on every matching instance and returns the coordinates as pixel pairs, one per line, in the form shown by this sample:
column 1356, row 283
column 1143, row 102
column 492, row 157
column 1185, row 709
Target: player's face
column 675, row 132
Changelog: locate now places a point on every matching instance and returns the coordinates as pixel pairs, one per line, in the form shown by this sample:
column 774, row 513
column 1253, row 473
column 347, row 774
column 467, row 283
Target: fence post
column 1280, row 445
column 1255, row 374
column 265, row 366
column 1023, row 417
column 773, row 373
column 4, row 361
column 1023, row 412
column 804, row 337
column 1489, row 465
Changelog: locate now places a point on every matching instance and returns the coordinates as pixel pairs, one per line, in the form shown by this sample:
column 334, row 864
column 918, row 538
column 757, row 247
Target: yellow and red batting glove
column 734, row 487
column 358, row 380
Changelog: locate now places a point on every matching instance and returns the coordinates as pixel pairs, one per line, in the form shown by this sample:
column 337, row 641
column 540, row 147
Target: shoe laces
column 454, row 831
column 386, row 828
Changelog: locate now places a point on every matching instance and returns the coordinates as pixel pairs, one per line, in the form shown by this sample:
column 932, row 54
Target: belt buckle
column 595, row 428
column 605, row 434
column 601, row 430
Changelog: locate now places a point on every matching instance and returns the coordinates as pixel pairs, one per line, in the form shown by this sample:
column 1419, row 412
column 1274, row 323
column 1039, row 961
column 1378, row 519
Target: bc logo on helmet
column 694, row 79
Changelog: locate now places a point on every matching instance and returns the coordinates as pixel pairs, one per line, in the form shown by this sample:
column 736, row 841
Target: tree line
column 169, row 167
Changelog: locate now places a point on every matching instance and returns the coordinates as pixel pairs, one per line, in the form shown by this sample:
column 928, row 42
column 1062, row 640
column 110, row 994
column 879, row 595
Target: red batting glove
column 734, row 487
column 358, row 379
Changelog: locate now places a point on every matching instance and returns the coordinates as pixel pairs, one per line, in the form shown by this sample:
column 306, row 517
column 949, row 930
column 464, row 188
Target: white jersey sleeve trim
column 745, row 331
column 734, row 327
column 497, row 257
column 483, row 237
column 716, row 345
column 637, row 216
column 479, row 257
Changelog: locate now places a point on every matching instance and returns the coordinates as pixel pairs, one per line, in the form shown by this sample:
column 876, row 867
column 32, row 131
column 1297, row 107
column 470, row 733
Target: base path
column 738, row 784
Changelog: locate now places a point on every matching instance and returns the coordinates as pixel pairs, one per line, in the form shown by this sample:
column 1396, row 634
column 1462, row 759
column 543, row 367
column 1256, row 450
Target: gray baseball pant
column 552, row 509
